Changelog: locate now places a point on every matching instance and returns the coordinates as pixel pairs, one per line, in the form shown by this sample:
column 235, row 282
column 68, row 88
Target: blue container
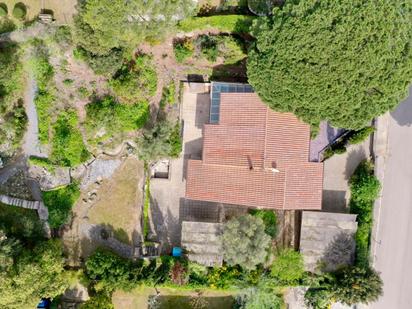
column 177, row 252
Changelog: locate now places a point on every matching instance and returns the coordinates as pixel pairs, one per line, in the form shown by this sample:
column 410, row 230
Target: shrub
column 288, row 267
column 318, row 298
column 209, row 47
column 112, row 118
column 231, row 49
column 59, row 202
column 84, row 93
column 354, row 285
column 183, row 50
column 168, row 95
column 178, row 274
column 68, row 82
column 364, row 185
column 107, row 64
column 19, row 11
column 109, row 271
column 63, row 35
column 68, row 148
column 361, row 135
column 102, row 299
column 146, row 206
column 253, row 298
column 136, row 81
column 225, row 23
column 42, row 70
column 3, row 10
column 241, row 237
column 269, row 219
column 223, row 277
column 163, row 141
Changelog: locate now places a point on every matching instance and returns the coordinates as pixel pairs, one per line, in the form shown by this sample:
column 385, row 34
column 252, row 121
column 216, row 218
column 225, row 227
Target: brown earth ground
column 116, row 206
column 138, row 298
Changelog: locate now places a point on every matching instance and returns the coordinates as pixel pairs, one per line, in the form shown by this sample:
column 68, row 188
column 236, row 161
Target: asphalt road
column 393, row 243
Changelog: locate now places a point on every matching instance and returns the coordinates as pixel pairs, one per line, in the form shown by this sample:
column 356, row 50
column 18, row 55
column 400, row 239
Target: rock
column 50, row 180
column 78, row 172
column 98, row 170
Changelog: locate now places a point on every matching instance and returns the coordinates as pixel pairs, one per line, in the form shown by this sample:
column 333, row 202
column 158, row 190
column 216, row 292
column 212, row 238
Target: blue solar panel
column 217, row 89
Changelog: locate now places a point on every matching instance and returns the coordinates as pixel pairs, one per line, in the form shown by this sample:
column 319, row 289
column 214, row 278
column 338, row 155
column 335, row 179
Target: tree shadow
column 403, row 112
column 334, row 201
column 340, row 252
column 235, row 72
column 355, row 157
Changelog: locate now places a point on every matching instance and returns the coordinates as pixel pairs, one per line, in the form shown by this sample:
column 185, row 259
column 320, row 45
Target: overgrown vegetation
column 287, row 268
column 135, row 81
column 103, row 25
column 59, row 202
column 269, row 219
column 12, row 115
column 162, row 141
column 106, row 118
column 68, row 148
column 146, row 208
column 107, row 64
column 365, row 189
column 344, row 83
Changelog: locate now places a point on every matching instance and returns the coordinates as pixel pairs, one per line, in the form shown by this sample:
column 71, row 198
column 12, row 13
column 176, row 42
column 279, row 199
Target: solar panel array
column 217, row 89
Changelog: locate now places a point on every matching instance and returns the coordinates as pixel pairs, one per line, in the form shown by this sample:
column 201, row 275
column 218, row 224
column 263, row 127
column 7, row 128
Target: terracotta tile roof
column 240, row 152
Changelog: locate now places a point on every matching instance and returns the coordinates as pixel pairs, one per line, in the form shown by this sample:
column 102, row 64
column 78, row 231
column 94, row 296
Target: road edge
column 380, row 152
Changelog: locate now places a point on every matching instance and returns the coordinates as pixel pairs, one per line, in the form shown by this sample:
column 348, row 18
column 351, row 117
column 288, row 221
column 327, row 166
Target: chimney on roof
column 249, row 161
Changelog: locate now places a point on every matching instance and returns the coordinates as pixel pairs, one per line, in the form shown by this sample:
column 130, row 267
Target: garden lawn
column 119, row 201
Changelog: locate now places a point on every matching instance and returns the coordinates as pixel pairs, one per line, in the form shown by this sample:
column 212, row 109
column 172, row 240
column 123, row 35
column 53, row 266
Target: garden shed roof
column 327, row 240
column 255, row 157
column 201, row 242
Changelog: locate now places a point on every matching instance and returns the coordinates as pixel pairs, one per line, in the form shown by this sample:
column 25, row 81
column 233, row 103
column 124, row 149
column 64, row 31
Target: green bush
column 225, row 23
column 209, row 47
column 102, row 300
column 114, row 118
column 136, row 81
column 59, row 202
column 168, row 95
column 364, row 185
column 3, row 10
column 318, row 298
column 269, row 219
column 254, row 298
column 83, row 92
column 107, row 64
column 68, row 148
column 19, row 11
column 163, row 141
column 146, row 207
column 42, row 70
column 6, row 25
column 183, row 50
column 231, row 49
column 361, row 135
column 68, row 82
column 364, row 190
column 63, row 35
column 288, row 268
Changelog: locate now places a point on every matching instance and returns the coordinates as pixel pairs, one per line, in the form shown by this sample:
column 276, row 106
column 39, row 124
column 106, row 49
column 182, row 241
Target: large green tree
column 36, row 274
column 106, row 24
column 341, row 61
column 245, row 242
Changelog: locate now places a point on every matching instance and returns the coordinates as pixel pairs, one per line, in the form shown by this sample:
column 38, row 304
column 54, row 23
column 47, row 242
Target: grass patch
column 106, row 118
column 135, row 81
column 68, row 148
column 60, row 202
column 43, row 162
column 119, row 204
column 226, row 23
column 44, row 102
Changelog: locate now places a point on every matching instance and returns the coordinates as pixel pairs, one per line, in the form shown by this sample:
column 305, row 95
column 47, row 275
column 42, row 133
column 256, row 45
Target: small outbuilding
column 327, row 240
column 201, row 244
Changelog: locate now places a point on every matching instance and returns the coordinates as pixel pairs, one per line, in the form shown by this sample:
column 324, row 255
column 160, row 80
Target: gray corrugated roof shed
column 327, row 240
column 201, row 242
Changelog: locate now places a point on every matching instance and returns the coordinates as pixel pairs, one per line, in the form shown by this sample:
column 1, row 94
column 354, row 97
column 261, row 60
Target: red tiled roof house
column 255, row 157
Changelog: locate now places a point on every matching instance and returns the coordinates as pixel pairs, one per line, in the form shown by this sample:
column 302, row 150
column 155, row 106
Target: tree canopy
column 245, row 242
column 341, row 61
column 106, row 24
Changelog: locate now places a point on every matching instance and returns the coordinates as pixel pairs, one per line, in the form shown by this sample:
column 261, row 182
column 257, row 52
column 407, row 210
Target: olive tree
column 245, row 242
